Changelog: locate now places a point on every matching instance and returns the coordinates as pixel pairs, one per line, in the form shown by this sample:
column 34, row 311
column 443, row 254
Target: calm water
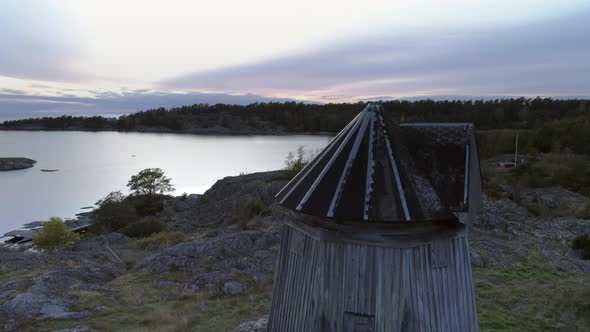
column 93, row 164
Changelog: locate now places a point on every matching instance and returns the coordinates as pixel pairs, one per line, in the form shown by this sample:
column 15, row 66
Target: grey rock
column 47, row 298
column 233, row 288
column 563, row 266
column 169, row 284
column 77, row 329
column 228, row 250
column 11, row 164
column 476, row 259
column 4, row 295
column 554, row 199
column 10, row 325
column 101, row 308
column 98, row 242
column 498, row 213
column 225, row 203
column 259, row 325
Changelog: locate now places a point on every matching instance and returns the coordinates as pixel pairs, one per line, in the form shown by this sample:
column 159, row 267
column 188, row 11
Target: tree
column 150, row 181
column 111, row 198
column 295, row 162
column 54, row 235
column 114, row 212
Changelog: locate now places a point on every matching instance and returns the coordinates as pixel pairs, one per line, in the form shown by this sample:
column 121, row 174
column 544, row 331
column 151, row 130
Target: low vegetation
column 132, row 215
column 531, row 298
column 140, row 304
column 296, row 161
column 568, row 171
column 55, row 235
column 582, row 243
column 159, row 240
column 584, row 212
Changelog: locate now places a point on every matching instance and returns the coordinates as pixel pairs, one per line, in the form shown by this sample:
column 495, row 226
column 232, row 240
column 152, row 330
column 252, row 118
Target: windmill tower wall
column 380, row 243
column 415, row 280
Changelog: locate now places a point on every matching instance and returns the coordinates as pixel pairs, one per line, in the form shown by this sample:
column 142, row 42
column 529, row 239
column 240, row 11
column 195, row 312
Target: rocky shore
column 11, row 164
column 212, row 269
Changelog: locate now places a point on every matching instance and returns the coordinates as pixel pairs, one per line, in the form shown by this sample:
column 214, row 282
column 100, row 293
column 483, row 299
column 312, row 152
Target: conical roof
column 378, row 170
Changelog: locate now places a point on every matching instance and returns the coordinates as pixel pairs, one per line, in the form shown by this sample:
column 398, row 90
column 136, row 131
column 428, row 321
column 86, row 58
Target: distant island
column 543, row 124
column 11, row 164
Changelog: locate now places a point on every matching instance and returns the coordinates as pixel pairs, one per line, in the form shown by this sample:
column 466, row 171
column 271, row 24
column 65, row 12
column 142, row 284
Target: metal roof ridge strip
column 466, row 181
column 314, row 162
column 351, row 157
column 370, row 168
column 400, row 188
column 436, row 124
column 329, row 164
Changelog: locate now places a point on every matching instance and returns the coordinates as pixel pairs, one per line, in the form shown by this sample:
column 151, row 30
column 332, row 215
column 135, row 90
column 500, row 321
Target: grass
column 88, row 300
column 159, row 240
column 147, row 307
column 527, row 298
column 531, row 298
column 584, row 212
column 143, row 305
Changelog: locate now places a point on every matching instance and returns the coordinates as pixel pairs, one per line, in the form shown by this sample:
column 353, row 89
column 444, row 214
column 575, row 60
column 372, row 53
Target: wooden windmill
column 380, row 243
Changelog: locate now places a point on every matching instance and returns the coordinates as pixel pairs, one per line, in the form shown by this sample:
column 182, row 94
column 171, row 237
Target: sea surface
column 90, row 165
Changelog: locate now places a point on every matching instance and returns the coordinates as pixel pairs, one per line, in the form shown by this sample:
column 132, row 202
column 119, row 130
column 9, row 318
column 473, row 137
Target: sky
column 104, row 57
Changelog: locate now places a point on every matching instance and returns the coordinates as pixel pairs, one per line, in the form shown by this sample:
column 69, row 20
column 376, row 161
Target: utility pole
column 516, row 151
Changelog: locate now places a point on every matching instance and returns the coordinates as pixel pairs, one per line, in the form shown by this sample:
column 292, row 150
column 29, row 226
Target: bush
column 113, row 214
column 296, row 161
column 574, row 175
column 582, row 242
column 147, row 205
column 143, row 228
column 584, row 212
column 55, row 235
column 117, row 211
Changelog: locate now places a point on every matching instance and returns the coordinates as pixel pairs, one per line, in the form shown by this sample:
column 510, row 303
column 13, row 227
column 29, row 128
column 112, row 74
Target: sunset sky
column 84, row 57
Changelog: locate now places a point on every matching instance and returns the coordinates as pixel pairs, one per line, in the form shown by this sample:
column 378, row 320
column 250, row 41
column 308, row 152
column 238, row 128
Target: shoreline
column 204, row 132
column 8, row 164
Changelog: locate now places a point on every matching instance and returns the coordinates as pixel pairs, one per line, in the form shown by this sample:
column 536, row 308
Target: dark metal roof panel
column 378, row 170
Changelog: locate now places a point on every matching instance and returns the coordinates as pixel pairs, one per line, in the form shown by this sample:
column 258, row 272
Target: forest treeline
column 543, row 124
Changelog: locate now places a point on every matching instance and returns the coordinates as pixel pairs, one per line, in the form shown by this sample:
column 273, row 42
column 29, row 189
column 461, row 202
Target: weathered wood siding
column 328, row 285
column 293, row 304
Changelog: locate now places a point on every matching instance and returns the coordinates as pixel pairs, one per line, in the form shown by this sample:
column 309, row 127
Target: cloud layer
column 17, row 104
column 540, row 58
column 36, row 42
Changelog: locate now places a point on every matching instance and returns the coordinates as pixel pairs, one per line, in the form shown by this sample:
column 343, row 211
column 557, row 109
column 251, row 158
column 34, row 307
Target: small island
column 11, row 164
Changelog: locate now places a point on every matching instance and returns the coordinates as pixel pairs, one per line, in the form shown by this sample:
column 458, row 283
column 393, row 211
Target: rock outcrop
column 11, row 164
column 229, row 247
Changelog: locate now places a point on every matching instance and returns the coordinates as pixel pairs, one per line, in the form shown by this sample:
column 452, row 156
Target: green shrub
column 143, row 228
column 574, row 175
column 582, row 242
column 117, row 211
column 159, row 240
column 584, row 212
column 147, row 205
column 257, row 208
column 250, row 210
column 112, row 215
column 295, row 162
column 55, row 235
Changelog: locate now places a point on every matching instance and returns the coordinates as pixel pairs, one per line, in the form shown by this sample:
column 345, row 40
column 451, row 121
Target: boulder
column 11, row 164
column 98, row 242
column 233, row 288
column 259, row 325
